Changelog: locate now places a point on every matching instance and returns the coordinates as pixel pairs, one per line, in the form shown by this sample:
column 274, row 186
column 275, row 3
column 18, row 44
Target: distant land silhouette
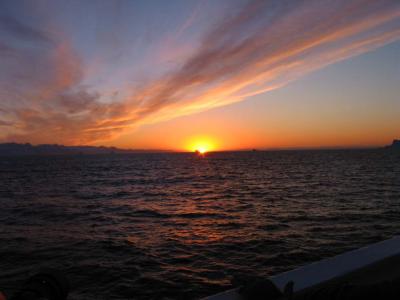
column 15, row 149
column 395, row 145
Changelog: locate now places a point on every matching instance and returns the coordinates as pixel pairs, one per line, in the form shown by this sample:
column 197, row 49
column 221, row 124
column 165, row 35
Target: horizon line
column 247, row 149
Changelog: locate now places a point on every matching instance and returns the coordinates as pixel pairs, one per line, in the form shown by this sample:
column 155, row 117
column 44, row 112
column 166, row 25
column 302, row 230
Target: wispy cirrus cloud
column 265, row 45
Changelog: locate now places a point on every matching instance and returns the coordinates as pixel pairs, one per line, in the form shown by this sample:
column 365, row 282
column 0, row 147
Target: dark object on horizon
column 48, row 284
column 395, row 145
column 15, row 149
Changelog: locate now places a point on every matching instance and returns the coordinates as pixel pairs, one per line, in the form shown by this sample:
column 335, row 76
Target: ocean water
column 179, row 226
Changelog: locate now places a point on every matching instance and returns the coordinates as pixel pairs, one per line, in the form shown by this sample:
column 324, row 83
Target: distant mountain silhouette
column 395, row 145
column 15, row 149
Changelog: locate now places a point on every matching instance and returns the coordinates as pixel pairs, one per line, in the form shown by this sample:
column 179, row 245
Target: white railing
column 327, row 269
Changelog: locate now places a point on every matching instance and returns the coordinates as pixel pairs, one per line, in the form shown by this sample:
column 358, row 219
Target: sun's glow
column 202, row 150
column 201, row 145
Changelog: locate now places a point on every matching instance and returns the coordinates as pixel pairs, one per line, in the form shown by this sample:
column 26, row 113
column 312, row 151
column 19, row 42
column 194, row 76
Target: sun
column 201, row 145
column 201, row 149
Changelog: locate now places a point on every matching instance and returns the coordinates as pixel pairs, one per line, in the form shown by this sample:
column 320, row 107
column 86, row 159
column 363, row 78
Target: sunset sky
column 227, row 74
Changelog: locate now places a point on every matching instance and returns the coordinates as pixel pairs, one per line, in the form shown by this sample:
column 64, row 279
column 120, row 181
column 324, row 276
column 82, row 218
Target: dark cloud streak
column 19, row 30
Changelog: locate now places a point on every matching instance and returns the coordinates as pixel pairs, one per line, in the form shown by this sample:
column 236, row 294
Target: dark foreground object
column 388, row 290
column 266, row 290
column 380, row 280
column 48, row 284
column 371, row 272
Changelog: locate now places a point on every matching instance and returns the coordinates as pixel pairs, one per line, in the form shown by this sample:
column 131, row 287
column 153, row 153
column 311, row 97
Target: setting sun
column 201, row 145
column 202, row 150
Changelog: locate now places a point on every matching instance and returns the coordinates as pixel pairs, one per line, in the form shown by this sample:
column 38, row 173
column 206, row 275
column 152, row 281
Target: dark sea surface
column 179, row 226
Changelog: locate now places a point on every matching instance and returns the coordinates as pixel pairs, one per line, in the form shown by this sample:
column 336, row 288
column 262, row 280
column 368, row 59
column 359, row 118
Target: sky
column 179, row 75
